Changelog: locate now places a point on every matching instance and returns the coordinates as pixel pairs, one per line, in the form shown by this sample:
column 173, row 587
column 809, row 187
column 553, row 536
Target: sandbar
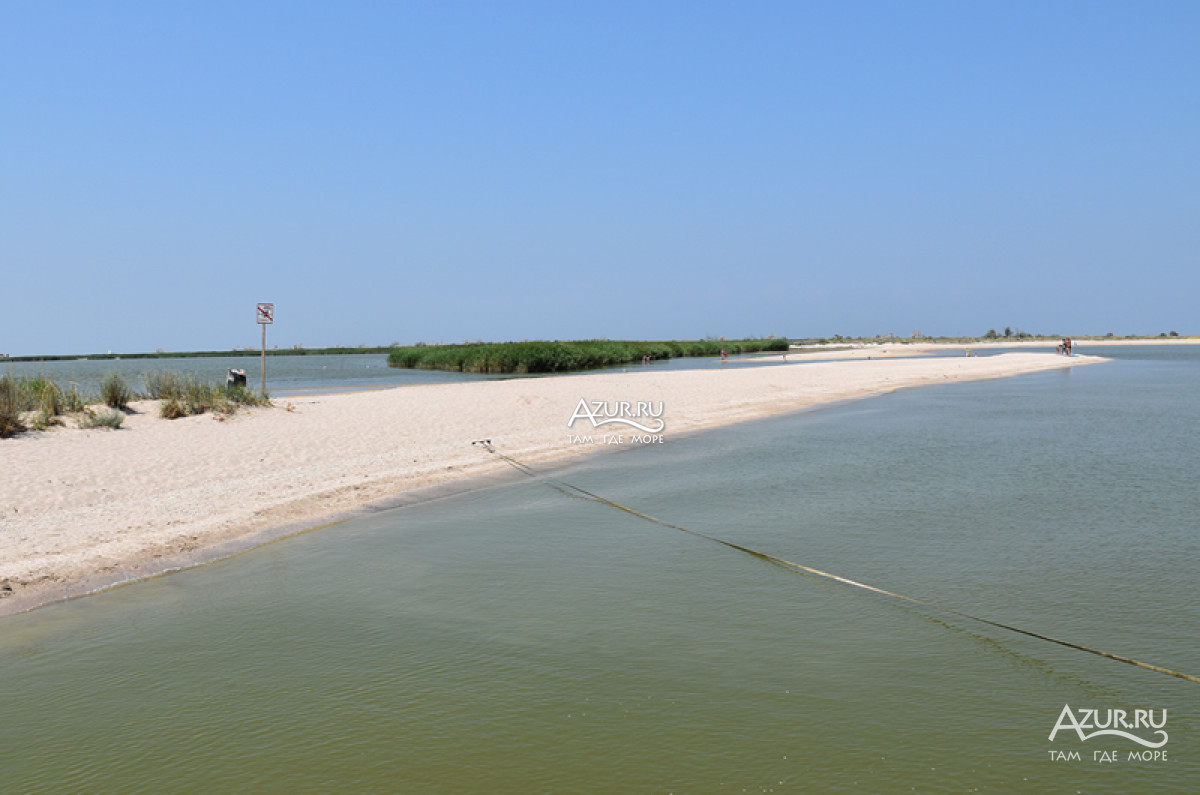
column 82, row 510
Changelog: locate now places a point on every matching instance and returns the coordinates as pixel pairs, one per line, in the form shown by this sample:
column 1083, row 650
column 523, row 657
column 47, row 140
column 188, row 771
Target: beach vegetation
column 557, row 357
column 172, row 409
column 106, row 418
column 72, row 401
column 160, row 354
column 11, row 406
column 47, row 405
column 115, row 391
column 43, row 420
column 187, row 395
column 39, row 396
column 163, row 384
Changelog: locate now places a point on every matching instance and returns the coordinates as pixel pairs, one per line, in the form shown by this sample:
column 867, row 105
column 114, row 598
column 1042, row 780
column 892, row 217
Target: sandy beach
column 84, row 509
column 860, row 350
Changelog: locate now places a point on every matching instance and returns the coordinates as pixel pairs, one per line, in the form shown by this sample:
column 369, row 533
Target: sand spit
column 82, row 509
column 863, row 350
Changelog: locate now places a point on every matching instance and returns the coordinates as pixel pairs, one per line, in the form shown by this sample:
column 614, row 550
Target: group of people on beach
column 1064, row 347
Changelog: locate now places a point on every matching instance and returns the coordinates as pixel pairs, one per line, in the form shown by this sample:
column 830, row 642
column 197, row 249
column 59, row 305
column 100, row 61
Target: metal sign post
column 266, row 316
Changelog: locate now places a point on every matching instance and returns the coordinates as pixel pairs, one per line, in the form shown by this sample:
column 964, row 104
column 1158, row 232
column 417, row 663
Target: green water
column 514, row 639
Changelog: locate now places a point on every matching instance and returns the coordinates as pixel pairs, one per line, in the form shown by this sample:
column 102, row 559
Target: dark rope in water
column 575, row 491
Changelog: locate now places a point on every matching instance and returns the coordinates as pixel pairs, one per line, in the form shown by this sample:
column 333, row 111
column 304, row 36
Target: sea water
column 515, row 639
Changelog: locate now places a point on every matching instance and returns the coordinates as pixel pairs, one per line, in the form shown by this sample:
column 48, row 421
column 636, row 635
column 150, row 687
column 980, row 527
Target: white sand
column 873, row 350
column 81, row 509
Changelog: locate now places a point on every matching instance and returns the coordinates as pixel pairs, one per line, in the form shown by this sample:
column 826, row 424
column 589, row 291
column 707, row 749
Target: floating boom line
column 575, row 491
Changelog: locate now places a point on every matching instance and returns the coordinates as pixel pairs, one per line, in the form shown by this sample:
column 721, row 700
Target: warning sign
column 266, row 314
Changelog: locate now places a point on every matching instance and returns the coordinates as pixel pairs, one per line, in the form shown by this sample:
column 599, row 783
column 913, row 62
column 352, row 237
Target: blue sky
column 440, row 171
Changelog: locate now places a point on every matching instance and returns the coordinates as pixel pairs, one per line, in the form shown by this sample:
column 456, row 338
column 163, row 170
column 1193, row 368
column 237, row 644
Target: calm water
column 299, row 375
column 513, row 639
column 286, row 375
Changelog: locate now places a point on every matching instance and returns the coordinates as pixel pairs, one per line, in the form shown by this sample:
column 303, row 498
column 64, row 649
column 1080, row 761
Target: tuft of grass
column 172, row 409
column 47, row 398
column 72, row 401
column 556, row 357
column 109, row 418
column 44, row 419
column 186, row 396
column 11, row 406
column 241, row 396
column 164, row 384
column 39, row 395
column 115, row 391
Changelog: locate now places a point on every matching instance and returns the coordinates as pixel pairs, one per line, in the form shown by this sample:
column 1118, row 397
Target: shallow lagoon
column 514, row 639
column 288, row 376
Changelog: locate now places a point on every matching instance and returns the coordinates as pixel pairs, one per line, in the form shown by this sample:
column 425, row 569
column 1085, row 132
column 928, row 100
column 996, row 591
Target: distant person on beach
column 724, row 355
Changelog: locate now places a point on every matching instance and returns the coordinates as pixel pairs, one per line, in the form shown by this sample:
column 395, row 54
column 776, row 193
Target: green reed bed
column 555, row 357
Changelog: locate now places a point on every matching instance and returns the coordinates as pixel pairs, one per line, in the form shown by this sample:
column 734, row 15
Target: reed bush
column 72, row 401
column 46, row 397
column 115, row 391
column 164, row 384
column 11, row 406
column 241, row 396
column 186, row 396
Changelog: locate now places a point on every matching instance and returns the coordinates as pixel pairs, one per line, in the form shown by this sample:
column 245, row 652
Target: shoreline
column 899, row 344
column 95, row 509
column 898, row 349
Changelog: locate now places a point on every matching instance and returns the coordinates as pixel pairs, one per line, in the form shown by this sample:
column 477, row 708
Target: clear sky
column 438, row 171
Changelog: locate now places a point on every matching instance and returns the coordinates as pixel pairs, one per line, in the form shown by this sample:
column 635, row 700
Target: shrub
column 241, row 396
column 198, row 398
column 47, row 398
column 109, row 418
column 45, row 419
column 115, row 391
column 72, row 401
column 186, row 397
column 164, row 384
column 11, row 405
column 171, row 409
